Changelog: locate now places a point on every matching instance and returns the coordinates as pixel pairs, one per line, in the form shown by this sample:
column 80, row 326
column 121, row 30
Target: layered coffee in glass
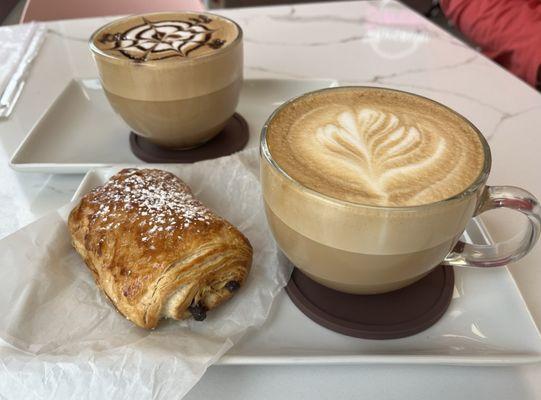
column 366, row 190
column 173, row 77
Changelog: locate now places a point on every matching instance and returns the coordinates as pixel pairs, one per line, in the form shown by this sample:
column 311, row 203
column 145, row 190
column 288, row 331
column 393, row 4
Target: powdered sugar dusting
column 158, row 202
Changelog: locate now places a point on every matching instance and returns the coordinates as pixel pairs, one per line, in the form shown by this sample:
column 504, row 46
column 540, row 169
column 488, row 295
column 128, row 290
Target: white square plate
column 80, row 130
column 487, row 323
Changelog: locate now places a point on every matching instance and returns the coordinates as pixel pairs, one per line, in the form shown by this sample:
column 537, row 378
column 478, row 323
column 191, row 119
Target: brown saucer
column 231, row 139
column 403, row 312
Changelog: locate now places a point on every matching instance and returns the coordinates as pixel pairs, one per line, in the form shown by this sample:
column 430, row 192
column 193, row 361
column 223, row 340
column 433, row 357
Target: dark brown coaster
column 231, row 139
column 403, row 312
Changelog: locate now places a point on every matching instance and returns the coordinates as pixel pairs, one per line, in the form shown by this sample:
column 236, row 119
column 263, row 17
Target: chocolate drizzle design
column 158, row 40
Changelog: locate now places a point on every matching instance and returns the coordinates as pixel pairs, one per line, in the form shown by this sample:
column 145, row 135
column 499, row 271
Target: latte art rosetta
column 373, row 147
column 377, row 147
column 163, row 39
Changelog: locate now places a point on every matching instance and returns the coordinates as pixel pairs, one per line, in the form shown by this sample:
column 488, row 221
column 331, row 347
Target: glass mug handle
column 502, row 253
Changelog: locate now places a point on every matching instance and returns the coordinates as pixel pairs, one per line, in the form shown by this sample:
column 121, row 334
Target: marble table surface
column 378, row 43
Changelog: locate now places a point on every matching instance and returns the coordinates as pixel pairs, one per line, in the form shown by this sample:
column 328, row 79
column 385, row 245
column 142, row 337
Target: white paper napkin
column 67, row 342
column 19, row 44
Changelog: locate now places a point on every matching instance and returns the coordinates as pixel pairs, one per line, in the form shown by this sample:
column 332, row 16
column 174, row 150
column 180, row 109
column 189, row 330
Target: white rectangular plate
column 80, row 130
column 487, row 323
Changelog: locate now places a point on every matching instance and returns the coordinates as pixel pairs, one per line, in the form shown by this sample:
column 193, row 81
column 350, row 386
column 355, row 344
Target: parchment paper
column 66, row 341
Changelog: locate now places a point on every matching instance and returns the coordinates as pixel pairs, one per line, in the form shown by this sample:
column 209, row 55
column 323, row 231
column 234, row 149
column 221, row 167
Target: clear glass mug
column 365, row 249
column 178, row 102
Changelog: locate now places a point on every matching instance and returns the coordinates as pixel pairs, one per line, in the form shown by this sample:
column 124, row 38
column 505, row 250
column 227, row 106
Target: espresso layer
column 354, row 272
column 179, row 123
column 163, row 36
column 377, row 147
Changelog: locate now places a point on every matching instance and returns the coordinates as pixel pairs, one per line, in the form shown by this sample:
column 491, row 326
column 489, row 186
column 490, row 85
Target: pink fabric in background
column 48, row 10
column 508, row 31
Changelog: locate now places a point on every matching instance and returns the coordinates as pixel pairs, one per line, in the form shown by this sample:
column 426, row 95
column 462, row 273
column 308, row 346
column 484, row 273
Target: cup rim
column 479, row 181
column 97, row 51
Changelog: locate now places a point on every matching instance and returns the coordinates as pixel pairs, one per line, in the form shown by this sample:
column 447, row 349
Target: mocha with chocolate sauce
column 157, row 40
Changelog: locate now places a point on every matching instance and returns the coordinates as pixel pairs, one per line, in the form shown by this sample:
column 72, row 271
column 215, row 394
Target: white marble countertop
column 367, row 42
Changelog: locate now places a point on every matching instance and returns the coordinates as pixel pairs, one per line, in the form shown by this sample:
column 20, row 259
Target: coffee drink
column 174, row 78
column 367, row 189
column 376, row 147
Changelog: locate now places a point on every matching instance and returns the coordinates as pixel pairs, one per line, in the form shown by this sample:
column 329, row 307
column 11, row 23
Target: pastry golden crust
column 155, row 250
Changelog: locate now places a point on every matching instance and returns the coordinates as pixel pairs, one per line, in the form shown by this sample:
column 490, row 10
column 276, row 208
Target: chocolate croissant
column 155, row 250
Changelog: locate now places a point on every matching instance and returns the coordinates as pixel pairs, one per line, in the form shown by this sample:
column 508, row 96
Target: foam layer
column 164, row 36
column 375, row 146
column 181, row 72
